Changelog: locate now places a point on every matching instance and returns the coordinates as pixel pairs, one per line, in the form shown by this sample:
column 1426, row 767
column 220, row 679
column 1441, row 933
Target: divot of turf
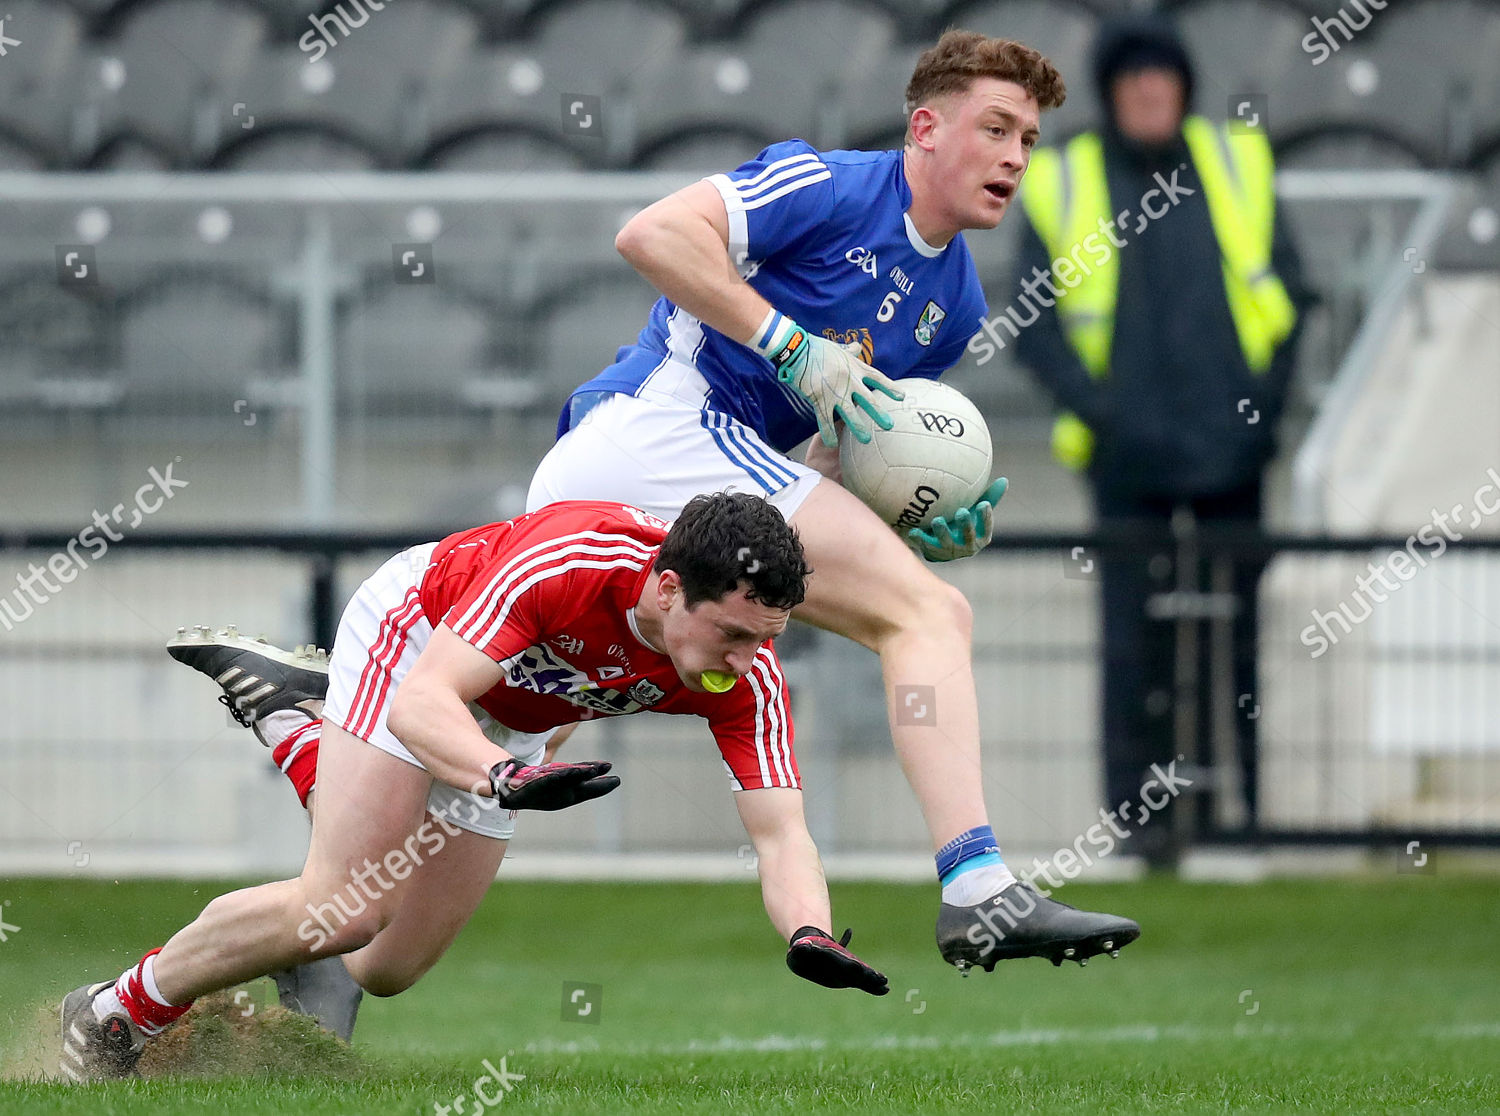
column 220, row 1037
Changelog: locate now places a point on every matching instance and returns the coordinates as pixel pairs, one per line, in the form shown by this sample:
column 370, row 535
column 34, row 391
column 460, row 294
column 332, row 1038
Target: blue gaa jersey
column 824, row 238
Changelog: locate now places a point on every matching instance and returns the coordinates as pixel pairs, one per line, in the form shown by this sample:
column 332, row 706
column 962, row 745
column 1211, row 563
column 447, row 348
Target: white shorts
column 382, row 632
column 659, row 449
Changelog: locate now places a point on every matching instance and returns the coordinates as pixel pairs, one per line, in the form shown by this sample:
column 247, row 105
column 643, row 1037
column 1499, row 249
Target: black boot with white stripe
column 258, row 678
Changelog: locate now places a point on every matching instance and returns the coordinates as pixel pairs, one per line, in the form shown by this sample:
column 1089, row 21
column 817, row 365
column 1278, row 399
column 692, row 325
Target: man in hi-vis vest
column 1168, row 346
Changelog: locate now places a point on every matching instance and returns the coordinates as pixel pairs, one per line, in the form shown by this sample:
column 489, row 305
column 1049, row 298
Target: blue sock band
column 966, row 848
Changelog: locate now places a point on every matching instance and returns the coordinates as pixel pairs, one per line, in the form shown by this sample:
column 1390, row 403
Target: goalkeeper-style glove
column 968, row 534
column 835, row 381
column 548, row 786
column 815, row 956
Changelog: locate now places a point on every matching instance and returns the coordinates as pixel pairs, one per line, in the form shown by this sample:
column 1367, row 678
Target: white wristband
column 773, row 334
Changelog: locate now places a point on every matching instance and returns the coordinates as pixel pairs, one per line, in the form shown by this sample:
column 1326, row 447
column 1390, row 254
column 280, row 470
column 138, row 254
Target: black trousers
column 1140, row 654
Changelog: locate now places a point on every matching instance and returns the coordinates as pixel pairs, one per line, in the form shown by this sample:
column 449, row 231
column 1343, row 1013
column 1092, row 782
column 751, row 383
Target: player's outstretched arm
column 795, row 892
column 791, row 875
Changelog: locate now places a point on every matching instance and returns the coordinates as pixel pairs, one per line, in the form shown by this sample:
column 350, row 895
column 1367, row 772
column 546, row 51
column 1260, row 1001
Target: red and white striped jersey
column 550, row 597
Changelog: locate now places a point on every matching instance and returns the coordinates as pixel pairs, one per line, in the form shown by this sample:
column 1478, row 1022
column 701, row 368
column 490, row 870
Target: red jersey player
column 452, row 664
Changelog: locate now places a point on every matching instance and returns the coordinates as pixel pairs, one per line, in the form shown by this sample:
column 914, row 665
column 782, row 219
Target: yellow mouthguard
column 717, row 682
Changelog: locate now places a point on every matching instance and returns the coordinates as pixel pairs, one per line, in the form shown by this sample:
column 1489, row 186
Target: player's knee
column 386, row 976
column 926, row 604
column 340, row 924
column 384, row 983
column 955, row 609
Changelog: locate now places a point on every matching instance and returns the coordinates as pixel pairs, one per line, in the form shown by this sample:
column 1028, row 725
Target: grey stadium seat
column 54, row 348
column 872, row 99
column 1438, row 108
column 411, row 350
column 196, row 344
column 705, row 150
column 491, row 90
column 583, row 333
column 376, row 106
column 605, row 48
column 177, row 59
column 803, row 55
column 493, row 83
column 39, row 84
column 1254, row 47
column 386, row 70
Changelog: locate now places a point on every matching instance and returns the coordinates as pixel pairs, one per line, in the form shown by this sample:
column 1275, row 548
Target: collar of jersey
column 916, row 241
column 630, row 611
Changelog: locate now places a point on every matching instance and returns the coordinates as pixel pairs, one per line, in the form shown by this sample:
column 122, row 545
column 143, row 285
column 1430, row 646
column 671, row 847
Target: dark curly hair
column 727, row 538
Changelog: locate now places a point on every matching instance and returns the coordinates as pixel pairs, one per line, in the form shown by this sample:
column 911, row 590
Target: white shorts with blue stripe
column 658, row 449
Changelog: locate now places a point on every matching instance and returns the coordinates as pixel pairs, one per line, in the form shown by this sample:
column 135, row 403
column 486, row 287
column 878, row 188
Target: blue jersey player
column 798, row 291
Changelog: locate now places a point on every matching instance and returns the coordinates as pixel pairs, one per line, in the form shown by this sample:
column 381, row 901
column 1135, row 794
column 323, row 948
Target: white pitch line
column 1051, row 1036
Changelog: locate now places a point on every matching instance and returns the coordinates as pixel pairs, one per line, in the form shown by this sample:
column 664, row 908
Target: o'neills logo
column 922, row 499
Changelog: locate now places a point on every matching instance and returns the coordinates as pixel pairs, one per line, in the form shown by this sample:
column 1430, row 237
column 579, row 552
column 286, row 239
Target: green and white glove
column 836, row 382
column 968, row 534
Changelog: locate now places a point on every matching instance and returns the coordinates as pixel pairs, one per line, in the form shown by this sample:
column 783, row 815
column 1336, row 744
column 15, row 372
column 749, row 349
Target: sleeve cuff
column 739, row 232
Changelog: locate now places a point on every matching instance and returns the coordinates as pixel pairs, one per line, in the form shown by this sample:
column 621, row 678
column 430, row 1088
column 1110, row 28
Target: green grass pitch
column 1373, row 994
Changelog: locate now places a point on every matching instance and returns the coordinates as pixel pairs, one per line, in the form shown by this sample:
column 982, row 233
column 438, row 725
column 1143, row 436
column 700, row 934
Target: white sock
column 148, row 981
column 273, row 730
column 977, row 884
column 108, row 1003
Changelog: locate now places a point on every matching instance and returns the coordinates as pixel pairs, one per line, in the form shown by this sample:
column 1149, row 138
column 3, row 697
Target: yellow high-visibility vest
column 1066, row 198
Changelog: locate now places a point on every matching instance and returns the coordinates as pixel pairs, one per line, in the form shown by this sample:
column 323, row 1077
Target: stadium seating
column 690, row 85
column 448, row 83
column 193, row 343
column 54, row 347
column 21, row 153
column 583, row 333
column 40, row 86
column 169, row 66
column 415, row 350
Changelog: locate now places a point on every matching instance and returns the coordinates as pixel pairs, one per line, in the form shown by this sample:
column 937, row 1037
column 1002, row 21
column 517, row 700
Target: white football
column 933, row 460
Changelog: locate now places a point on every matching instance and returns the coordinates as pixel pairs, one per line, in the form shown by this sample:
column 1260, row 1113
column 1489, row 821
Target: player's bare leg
column 278, row 695
column 868, row 586
column 440, row 898
column 370, row 802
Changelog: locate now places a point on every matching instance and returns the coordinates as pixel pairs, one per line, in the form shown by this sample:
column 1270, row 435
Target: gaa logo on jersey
column 927, row 324
column 646, row 692
column 570, row 644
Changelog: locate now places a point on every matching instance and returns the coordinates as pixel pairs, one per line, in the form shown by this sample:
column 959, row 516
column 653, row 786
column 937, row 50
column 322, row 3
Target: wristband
column 777, row 337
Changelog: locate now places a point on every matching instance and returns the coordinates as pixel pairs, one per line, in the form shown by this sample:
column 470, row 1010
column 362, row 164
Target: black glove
column 549, row 786
column 815, row 956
